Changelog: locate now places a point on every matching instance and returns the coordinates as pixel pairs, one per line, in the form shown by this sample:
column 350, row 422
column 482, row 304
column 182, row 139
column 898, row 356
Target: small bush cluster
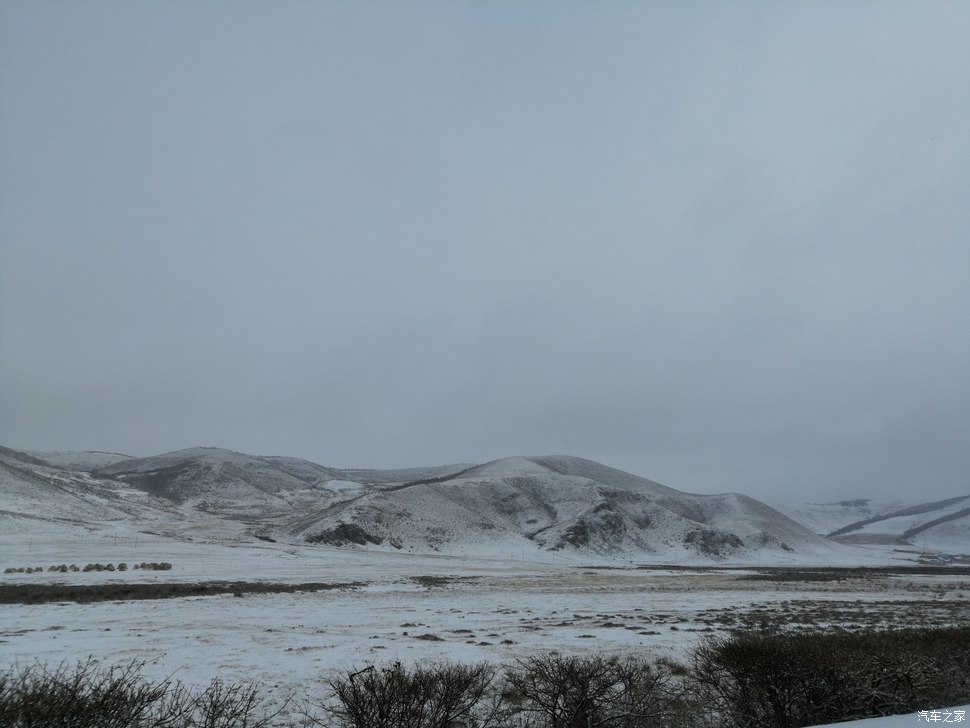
column 398, row 697
column 64, row 568
column 555, row 691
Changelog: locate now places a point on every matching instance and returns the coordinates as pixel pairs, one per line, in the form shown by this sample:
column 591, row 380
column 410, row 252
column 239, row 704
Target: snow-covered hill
column 934, row 526
column 226, row 482
column 563, row 504
column 824, row 518
column 35, row 496
column 551, row 505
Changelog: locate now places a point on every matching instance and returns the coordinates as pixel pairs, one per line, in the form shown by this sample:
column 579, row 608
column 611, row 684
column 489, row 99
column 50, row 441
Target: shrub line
column 749, row 679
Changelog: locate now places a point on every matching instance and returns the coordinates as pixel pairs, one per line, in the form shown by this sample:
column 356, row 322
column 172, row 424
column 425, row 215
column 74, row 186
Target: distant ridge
column 549, row 506
column 82, row 460
column 942, row 525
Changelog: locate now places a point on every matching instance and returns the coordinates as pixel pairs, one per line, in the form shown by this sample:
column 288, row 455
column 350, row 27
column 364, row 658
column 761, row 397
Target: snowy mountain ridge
column 553, row 505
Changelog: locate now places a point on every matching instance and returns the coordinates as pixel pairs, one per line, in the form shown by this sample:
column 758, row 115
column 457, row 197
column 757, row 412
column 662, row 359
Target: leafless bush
column 224, row 705
column 88, row 695
column 445, row 695
column 774, row 679
column 553, row 691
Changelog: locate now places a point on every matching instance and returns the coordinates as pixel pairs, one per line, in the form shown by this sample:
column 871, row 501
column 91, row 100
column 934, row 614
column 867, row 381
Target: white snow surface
column 959, row 713
column 941, row 526
column 85, row 460
column 559, row 503
column 824, row 518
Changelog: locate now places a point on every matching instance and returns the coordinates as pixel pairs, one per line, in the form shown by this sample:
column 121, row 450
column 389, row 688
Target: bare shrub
column 784, row 680
column 91, row 696
column 437, row 696
column 554, row 691
column 86, row 695
column 224, row 705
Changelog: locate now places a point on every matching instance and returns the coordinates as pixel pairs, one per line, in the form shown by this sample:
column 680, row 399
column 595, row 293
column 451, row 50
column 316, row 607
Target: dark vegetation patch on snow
column 343, row 534
column 45, row 593
column 713, row 543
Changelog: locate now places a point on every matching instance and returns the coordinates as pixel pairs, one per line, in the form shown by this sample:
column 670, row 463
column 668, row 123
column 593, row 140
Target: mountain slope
column 825, row 518
column 81, row 460
column 566, row 504
column 549, row 504
column 32, row 491
column 217, row 480
column 943, row 525
column 938, row 525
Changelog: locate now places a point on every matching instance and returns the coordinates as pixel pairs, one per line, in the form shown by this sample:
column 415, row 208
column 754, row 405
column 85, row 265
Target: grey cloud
column 720, row 246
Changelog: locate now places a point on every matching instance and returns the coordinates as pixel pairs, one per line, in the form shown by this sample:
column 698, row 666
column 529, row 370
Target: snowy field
column 399, row 607
column 958, row 714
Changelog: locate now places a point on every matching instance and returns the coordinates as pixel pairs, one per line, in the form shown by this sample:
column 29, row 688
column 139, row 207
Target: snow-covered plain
column 400, row 607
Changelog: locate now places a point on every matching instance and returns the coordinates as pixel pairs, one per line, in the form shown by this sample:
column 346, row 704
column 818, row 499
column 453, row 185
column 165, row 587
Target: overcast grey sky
column 723, row 245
